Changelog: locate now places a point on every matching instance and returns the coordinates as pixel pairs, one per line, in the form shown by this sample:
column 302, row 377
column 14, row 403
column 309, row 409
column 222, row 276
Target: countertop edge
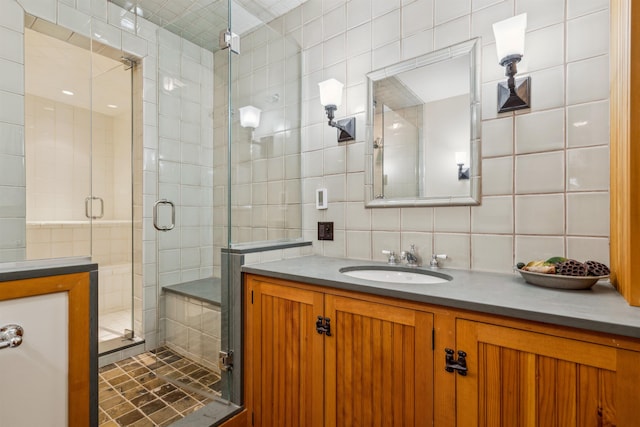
column 567, row 320
column 35, row 272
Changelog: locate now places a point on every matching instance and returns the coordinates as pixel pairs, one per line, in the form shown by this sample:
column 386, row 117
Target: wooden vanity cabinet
column 382, row 362
column 371, row 366
column 519, row 377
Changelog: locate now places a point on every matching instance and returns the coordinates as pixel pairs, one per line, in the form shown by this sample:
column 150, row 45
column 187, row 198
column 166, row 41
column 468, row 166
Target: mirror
column 423, row 130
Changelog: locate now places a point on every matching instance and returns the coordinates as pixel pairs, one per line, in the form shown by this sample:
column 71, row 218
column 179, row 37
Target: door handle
column 10, row 336
column 89, row 200
column 155, row 215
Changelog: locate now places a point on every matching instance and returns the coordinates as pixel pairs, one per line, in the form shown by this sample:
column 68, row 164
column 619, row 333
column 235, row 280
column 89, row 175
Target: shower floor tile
column 132, row 392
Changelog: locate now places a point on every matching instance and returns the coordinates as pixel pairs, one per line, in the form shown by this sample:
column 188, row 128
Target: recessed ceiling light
column 112, row 106
column 67, row 92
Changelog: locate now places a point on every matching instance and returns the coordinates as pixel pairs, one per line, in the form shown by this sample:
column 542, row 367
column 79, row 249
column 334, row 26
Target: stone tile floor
column 132, row 392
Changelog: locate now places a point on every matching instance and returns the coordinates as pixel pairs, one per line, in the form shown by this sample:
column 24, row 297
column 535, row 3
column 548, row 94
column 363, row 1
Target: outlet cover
column 325, row 231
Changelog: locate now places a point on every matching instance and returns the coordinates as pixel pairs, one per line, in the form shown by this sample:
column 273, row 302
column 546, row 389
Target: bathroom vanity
column 327, row 349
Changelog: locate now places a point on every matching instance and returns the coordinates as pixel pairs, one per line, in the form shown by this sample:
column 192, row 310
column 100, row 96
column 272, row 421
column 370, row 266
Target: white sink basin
column 392, row 274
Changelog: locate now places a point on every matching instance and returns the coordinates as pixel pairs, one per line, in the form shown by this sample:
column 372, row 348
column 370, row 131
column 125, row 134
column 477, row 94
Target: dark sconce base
column 346, row 127
column 463, row 173
column 516, row 98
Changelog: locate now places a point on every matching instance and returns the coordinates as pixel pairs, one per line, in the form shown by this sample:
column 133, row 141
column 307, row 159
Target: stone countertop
column 600, row 308
column 45, row 267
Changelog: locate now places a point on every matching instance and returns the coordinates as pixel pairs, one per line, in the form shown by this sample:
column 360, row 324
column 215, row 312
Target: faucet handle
column 434, row 259
column 393, row 260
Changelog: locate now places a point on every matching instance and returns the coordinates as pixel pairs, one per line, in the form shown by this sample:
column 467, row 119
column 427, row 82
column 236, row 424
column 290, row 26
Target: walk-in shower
column 78, row 160
column 90, row 168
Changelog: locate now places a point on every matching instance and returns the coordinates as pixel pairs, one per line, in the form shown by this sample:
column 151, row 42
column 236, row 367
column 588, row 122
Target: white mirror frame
column 469, row 48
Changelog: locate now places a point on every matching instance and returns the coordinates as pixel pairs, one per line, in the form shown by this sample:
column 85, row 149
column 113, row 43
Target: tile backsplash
column 545, row 170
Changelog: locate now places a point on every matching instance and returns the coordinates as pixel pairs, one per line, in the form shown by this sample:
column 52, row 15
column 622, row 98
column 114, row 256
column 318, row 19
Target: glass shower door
column 109, row 206
column 187, row 253
column 78, row 145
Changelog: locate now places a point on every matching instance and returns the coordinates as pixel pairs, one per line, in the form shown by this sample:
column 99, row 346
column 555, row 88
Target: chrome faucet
column 410, row 256
column 393, row 259
column 434, row 260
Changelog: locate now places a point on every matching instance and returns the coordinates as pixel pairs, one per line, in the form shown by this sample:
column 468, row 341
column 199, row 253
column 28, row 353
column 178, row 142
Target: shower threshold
column 118, row 344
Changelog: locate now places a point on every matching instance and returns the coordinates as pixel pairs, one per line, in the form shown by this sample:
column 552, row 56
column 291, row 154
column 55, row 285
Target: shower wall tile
column 12, row 17
column 41, row 8
column 12, row 76
column 73, row 19
column 95, row 8
column 11, row 108
column 106, row 34
column 11, row 46
column 134, row 45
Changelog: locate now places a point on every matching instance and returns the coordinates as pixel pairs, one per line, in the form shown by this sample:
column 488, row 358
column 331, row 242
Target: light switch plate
column 325, row 230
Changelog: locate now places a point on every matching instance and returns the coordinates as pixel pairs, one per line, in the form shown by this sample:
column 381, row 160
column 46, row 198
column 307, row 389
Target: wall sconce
column 461, row 160
column 514, row 94
column 331, row 98
column 249, row 116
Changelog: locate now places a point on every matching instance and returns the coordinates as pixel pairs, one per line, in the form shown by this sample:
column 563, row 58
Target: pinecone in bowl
column 596, row 268
column 571, row 267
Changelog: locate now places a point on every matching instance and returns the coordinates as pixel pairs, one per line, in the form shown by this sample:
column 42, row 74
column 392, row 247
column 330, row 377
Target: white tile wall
column 537, row 164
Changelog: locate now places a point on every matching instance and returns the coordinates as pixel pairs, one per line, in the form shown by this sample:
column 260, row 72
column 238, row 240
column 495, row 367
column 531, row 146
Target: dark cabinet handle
column 451, row 364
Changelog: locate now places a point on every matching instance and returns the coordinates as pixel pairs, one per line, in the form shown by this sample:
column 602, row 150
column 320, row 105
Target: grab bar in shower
column 155, row 215
column 89, row 201
column 10, row 336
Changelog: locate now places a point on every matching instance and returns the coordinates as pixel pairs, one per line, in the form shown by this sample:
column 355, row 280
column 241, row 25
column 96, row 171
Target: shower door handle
column 155, row 215
column 89, row 201
column 10, row 336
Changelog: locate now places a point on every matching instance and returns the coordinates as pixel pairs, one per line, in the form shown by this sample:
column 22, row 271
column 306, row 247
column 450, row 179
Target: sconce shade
column 249, row 116
column 509, row 36
column 331, row 92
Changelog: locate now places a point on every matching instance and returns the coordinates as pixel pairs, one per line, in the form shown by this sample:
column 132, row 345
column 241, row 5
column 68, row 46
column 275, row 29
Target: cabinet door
column 284, row 356
column 522, row 378
column 379, row 365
